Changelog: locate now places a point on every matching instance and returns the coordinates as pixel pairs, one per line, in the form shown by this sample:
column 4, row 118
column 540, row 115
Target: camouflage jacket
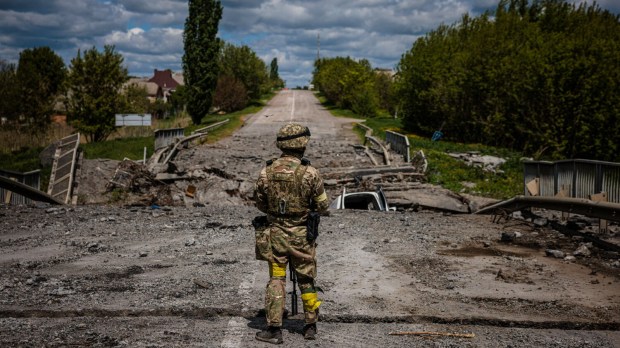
column 286, row 190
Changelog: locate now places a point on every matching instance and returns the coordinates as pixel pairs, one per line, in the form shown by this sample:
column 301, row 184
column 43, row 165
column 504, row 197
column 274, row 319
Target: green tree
column 135, row 99
column 9, row 102
column 176, row 101
column 242, row 63
column 520, row 78
column 385, row 90
column 200, row 67
column 40, row 75
column 95, row 92
column 230, row 94
column 347, row 83
column 274, row 76
column 273, row 72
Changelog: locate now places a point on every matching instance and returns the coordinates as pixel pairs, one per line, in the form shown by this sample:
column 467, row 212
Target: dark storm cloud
column 153, row 6
column 149, row 32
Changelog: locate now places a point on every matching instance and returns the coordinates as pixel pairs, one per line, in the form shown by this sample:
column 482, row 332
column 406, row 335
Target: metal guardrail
column 576, row 178
column 211, row 126
column 398, row 142
column 368, row 129
column 165, row 137
column 32, row 179
column 63, row 169
column 386, row 153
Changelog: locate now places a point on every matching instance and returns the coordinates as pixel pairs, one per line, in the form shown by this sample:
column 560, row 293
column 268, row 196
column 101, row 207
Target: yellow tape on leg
column 311, row 302
column 277, row 270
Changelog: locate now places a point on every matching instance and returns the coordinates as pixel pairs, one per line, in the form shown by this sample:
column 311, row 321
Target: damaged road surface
column 184, row 275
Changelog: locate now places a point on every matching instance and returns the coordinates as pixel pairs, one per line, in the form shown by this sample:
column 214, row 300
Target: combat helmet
column 293, row 136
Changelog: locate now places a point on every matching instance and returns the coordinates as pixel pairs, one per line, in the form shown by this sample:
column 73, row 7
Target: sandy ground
column 141, row 276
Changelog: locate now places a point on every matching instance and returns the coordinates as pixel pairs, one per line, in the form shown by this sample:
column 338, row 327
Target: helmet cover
column 293, row 136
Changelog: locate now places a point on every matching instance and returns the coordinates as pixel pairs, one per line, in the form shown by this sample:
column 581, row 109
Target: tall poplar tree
column 200, row 66
column 274, row 77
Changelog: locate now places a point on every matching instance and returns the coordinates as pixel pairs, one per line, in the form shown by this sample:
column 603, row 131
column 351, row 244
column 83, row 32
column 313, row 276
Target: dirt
column 110, row 275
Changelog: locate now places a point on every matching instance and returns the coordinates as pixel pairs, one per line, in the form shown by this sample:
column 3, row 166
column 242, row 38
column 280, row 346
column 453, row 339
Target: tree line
column 353, row 84
column 541, row 77
column 93, row 88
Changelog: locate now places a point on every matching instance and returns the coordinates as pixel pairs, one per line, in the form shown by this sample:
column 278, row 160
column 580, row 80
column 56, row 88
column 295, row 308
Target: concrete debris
column 61, row 292
column 488, row 163
column 583, row 250
column 540, row 222
column 508, row 237
column 203, row 284
column 558, row 254
column 419, row 161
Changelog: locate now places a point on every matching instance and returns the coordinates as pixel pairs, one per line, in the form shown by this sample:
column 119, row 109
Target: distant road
column 300, row 107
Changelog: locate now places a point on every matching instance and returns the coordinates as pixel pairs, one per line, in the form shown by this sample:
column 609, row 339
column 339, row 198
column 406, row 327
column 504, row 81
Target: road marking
column 293, row 108
column 238, row 326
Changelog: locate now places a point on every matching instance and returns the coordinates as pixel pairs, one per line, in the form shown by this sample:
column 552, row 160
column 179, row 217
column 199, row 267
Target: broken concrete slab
column 432, row 197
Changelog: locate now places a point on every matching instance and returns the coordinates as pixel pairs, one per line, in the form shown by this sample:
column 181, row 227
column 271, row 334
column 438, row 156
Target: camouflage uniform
column 286, row 190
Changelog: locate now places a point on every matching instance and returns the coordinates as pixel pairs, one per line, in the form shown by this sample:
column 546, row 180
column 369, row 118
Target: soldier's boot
column 271, row 335
column 310, row 331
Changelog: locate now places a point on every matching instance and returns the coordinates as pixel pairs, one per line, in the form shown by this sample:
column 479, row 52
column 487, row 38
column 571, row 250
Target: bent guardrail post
column 601, row 210
column 210, row 127
column 386, row 153
column 31, row 179
column 27, row 191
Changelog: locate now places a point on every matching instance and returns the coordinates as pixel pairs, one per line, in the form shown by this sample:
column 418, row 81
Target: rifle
column 294, row 309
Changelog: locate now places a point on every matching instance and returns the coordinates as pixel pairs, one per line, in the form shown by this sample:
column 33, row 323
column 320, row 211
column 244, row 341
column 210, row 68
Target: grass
column 119, row 149
column 446, row 171
column 235, row 122
column 133, row 147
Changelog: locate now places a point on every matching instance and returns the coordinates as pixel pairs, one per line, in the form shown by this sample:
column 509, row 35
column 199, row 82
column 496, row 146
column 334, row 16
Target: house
column 387, row 72
column 167, row 81
column 154, row 91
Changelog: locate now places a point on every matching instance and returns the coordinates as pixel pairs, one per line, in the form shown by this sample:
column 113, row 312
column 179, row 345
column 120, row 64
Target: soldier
column 287, row 190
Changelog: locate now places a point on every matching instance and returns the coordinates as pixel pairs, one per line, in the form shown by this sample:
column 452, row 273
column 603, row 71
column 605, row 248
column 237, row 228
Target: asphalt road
column 102, row 275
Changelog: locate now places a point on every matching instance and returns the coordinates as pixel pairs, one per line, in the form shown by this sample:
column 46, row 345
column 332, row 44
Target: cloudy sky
column 149, row 33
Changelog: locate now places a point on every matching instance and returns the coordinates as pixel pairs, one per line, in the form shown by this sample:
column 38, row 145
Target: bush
column 230, row 94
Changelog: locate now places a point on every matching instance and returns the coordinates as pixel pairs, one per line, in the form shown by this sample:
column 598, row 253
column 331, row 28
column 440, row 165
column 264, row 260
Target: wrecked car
column 367, row 200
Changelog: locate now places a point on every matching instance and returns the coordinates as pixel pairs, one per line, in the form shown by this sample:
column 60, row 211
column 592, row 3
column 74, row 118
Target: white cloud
column 149, row 32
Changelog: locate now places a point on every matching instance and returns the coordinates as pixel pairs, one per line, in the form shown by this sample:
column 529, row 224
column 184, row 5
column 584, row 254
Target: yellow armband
column 321, row 197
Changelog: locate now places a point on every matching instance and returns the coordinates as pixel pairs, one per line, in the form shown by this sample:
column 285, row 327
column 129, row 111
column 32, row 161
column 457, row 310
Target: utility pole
column 318, row 46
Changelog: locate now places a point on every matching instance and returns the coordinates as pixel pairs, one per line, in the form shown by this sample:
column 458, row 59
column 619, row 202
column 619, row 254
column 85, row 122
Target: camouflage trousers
column 290, row 244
